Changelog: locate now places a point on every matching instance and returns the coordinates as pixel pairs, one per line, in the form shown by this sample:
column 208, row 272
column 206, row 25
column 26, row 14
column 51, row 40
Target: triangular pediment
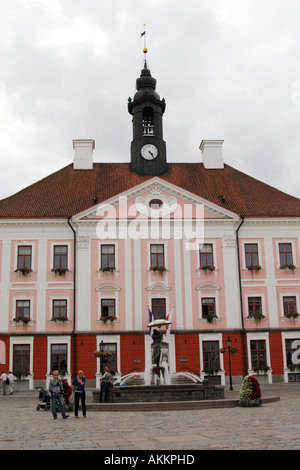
column 139, row 201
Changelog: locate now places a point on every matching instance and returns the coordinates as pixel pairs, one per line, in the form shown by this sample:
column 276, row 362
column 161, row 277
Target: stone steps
column 170, row 406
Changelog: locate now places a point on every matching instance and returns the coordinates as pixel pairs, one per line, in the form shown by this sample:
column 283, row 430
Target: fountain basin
column 162, row 393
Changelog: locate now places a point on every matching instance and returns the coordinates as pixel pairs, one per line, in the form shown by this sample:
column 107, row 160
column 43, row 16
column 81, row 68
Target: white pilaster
column 83, row 295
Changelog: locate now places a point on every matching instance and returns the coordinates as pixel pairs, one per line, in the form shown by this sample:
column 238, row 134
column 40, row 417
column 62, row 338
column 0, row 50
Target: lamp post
column 101, row 357
column 228, row 343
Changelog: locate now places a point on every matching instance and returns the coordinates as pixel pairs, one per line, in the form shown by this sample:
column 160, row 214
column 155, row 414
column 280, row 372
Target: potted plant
column 60, row 271
column 106, row 319
column 207, row 268
column 102, row 354
column 23, row 271
column 294, row 367
column 231, row 349
column 23, row 320
column 292, row 267
column 159, row 269
column 20, row 375
column 253, row 268
column 261, row 369
column 60, row 319
column 256, row 316
column 250, row 392
column 210, row 317
column 107, row 269
column 292, row 315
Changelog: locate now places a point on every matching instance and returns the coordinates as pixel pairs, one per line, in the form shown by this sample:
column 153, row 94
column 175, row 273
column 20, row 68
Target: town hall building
column 92, row 253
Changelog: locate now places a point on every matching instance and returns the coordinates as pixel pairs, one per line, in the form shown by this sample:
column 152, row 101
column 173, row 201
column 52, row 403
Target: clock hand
column 151, row 153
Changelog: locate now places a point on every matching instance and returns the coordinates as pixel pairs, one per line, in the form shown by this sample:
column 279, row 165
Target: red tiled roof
column 68, row 192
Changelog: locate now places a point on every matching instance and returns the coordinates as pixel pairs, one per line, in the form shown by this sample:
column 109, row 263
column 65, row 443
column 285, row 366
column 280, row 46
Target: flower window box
column 23, row 271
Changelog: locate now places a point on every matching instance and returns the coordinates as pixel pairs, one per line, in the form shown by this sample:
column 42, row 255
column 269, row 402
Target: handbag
column 72, row 398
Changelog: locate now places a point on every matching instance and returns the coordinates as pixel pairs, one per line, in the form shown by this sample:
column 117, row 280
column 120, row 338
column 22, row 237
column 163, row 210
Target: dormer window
column 148, row 121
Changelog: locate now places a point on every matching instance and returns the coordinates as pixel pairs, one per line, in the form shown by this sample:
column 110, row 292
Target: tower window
column 148, row 121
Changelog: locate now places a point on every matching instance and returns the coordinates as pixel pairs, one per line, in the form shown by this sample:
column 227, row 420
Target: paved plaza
column 273, row 426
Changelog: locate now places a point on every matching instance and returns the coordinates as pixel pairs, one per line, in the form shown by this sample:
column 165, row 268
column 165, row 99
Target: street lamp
column 228, row 343
column 101, row 357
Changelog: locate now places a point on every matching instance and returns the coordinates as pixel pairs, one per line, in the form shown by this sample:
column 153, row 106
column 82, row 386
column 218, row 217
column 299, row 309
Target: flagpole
column 145, row 50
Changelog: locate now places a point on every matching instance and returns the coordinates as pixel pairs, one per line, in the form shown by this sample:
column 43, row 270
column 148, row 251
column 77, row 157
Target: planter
column 24, row 321
column 23, row 271
column 160, row 269
column 107, row 270
column 290, row 267
column 210, row 318
column 60, row 320
column 60, row 271
column 253, row 268
column 207, row 268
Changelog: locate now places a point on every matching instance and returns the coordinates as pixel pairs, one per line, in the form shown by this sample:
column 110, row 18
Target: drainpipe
column 241, row 296
column 74, row 301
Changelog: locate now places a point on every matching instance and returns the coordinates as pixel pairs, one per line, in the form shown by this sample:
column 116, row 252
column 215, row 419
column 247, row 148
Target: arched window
column 148, row 121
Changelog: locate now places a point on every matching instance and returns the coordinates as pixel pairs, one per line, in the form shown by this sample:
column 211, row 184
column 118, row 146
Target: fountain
column 156, row 385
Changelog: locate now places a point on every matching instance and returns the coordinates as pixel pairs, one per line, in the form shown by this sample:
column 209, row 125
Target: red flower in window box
column 251, row 267
column 23, row 320
column 102, row 354
column 107, row 269
column 292, row 315
column 60, row 271
column 288, row 266
column 207, row 268
column 23, row 271
column 160, row 269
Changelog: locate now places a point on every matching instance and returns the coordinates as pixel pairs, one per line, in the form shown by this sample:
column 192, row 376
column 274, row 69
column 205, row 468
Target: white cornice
column 157, row 184
column 33, row 222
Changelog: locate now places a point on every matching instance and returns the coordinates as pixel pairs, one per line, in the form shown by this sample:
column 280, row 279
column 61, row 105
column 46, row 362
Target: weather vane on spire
column 145, row 50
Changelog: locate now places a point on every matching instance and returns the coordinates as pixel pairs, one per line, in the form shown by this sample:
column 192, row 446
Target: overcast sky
column 228, row 69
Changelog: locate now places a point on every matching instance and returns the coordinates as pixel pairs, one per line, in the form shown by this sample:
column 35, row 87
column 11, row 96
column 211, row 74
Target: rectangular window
column 59, row 357
column 206, row 255
column 258, row 353
column 59, row 309
column 157, row 256
column 255, row 307
column 21, row 359
column 107, row 256
column 60, row 257
column 211, row 356
column 159, row 309
column 208, row 307
column 24, row 257
column 22, row 309
column 108, row 309
column 285, row 254
column 110, row 360
column 290, row 348
column 289, row 306
column 251, row 253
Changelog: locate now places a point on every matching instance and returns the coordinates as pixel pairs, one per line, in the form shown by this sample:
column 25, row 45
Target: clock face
column 149, row 152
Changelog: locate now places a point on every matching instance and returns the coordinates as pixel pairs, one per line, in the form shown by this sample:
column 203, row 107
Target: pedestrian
column 106, row 382
column 3, row 377
column 11, row 379
column 56, row 391
column 79, row 389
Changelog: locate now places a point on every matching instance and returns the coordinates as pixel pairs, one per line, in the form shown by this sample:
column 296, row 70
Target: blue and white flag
column 150, row 320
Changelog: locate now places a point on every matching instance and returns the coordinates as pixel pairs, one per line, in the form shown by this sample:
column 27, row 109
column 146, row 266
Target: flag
column 143, row 34
column 169, row 318
column 150, row 320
